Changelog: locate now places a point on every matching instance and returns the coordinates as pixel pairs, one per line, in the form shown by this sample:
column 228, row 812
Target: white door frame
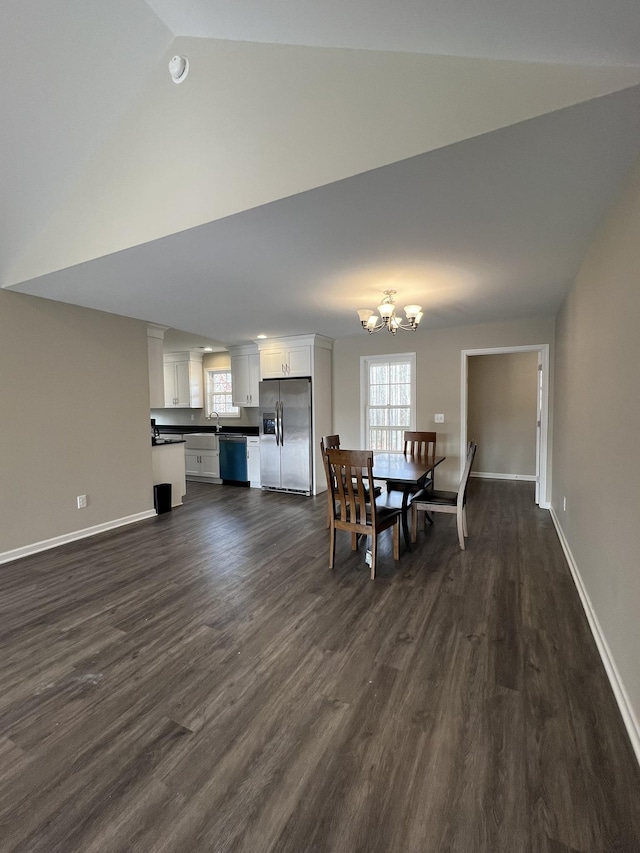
column 542, row 433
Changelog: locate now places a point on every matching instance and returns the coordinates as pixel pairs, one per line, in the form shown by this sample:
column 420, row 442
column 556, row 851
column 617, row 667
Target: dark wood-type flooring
column 201, row 682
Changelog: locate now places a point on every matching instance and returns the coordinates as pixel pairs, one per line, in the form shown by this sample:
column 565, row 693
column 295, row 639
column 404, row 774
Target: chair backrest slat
column 419, row 443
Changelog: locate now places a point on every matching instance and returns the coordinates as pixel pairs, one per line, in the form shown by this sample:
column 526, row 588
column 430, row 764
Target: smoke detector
column 178, row 68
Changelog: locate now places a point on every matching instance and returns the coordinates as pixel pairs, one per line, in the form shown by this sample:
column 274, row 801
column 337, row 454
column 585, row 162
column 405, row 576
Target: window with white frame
column 220, row 394
column 388, row 394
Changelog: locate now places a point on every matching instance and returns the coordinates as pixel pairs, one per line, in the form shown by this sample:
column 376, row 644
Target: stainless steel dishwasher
column 233, row 460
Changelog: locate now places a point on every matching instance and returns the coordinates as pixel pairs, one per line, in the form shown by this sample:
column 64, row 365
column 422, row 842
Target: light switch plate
column 439, row 419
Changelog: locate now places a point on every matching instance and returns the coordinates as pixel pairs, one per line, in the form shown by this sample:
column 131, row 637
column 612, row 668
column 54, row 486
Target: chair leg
column 460, row 520
column 332, row 546
column 396, row 540
column 354, row 541
column 374, row 543
column 415, row 520
column 464, row 521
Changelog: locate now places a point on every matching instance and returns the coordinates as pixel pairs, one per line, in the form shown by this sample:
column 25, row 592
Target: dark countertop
column 173, row 429
column 163, row 442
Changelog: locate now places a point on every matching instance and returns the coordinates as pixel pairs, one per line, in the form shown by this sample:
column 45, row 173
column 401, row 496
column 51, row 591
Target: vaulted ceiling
column 315, row 155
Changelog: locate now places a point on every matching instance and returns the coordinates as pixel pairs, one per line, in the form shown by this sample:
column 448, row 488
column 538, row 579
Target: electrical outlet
column 82, row 501
column 439, row 419
column 193, row 417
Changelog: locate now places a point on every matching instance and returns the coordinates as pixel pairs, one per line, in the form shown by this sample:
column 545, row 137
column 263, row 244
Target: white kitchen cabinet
column 183, row 386
column 245, row 375
column 202, row 457
column 202, row 465
column 281, row 360
column 253, row 461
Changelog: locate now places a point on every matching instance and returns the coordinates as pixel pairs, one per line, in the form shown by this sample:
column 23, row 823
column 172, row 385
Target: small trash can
column 162, row 497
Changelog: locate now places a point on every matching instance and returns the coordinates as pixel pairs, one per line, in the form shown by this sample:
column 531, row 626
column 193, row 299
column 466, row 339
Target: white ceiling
column 583, row 32
column 476, row 209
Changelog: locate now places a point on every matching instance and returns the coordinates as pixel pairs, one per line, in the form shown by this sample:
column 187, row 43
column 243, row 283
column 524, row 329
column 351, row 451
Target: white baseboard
column 482, row 475
column 622, row 698
column 36, row 547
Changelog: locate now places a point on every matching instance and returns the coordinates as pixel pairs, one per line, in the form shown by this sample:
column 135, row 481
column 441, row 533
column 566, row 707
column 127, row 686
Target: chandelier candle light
column 388, row 320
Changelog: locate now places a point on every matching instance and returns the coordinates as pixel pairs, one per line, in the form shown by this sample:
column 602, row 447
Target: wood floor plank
column 201, row 682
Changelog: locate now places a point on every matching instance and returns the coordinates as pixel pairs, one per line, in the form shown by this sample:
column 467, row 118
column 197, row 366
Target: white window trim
column 365, row 361
column 208, row 381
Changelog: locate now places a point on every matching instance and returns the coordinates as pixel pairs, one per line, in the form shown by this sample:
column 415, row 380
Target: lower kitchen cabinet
column 202, row 457
column 201, row 464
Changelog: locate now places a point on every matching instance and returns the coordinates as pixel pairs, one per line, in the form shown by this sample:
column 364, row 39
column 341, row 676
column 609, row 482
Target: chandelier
column 388, row 320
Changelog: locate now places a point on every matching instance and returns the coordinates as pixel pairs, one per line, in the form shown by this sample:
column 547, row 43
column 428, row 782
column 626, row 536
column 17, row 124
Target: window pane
column 400, row 417
column 379, row 374
column 379, row 395
column 400, row 395
column 379, row 417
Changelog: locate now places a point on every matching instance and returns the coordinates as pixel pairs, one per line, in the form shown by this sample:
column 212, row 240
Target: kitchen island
column 167, row 464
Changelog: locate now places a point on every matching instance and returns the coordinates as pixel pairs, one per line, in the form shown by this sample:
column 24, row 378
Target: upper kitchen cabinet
column 245, row 375
column 183, row 387
column 287, row 357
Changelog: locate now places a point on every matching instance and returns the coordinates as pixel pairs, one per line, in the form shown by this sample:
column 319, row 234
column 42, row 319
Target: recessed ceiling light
column 261, row 337
column 178, row 68
column 208, row 349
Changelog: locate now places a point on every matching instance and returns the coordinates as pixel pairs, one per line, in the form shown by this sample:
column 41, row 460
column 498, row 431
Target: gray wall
column 502, row 412
column 596, row 464
column 439, row 374
column 74, row 419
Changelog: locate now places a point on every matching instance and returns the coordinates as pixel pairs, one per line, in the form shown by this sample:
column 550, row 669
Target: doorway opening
column 542, row 410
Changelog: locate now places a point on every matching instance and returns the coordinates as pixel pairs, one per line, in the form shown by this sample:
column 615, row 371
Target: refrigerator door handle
column 281, row 424
column 277, row 424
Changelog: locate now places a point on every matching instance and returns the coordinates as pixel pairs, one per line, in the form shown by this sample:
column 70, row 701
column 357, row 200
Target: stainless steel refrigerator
column 285, row 435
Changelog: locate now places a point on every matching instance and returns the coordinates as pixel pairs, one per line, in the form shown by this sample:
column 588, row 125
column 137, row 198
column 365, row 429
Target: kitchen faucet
column 210, row 415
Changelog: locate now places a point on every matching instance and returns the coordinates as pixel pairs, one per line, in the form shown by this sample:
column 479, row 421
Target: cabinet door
column 240, row 379
column 299, row 361
column 169, row 385
column 254, row 379
column 183, row 389
column 272, row 363
column 192, row 463
column 210, row 463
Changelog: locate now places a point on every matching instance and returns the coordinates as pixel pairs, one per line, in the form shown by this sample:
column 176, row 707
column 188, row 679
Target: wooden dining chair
column 332, row 442
column 329, row 442
column 432, row 500
column 416, row 444
column 351, row 482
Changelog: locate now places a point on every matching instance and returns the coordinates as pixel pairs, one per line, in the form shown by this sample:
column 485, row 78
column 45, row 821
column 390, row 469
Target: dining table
column 409, row 474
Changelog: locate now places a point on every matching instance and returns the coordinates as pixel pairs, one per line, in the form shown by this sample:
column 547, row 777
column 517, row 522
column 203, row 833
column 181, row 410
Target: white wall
column 74, row 419
column 438, row 371
column 596, row 463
